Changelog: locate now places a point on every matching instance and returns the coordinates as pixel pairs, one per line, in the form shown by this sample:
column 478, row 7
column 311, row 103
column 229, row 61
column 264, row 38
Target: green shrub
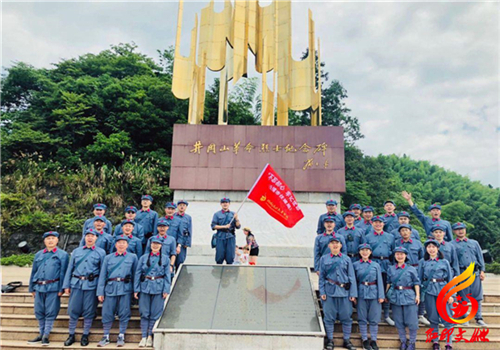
column 18, row 260
column 40, row 195
column 493, row 268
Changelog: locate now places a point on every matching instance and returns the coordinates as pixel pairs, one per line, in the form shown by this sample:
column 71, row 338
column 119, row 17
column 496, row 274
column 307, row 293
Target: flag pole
column 250, row 191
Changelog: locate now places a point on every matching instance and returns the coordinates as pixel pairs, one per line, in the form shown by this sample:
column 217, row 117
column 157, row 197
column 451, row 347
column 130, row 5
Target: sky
column 422, row 77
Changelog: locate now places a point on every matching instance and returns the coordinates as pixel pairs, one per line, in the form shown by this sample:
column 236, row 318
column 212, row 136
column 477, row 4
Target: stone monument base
column 278, row 245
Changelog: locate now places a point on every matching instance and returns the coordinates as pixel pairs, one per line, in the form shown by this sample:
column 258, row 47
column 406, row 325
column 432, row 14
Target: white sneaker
column 120, row 341
column 149, row 341
column 423, row 320
column 142, row 344
column 389, row 321
column 481, row 323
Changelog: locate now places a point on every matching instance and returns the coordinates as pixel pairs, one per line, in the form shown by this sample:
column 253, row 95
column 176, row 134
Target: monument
column 211, row 161
column 214, row 161
column 271, row 305
column 229, row 307
column 224, row 41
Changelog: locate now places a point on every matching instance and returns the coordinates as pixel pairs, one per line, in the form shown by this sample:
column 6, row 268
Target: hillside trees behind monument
column 99, row 128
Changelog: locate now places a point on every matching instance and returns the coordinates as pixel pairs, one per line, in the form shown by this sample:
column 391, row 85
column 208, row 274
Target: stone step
column 28, row 309
column 134, row 323
column 60, row 334
column 14, row 300
column 385, row 341
column 26, row 298
column 492, row 298
column 16, row 345
column 61, row 321
column 384, row 328
column 488, row 317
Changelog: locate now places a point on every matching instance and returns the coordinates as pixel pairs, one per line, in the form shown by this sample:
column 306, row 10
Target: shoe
column 481, row 323
column 103, row 342
column 411, row 346
column 120, row 341
column 70, row 340
column 374, row 345
column 142, row 344
column 389, row 321
column 36, row 340
column 348, row 345
column 448, row 347
column 423, row 320
column 366, row 345
column 435, row 346
column 402, row 346
column 329, row 345
column 85, row 340
column 149, row 341
column 45, row 341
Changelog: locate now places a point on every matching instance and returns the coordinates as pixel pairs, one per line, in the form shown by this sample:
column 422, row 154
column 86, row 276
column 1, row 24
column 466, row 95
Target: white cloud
column 422, row 77
column 429, row 68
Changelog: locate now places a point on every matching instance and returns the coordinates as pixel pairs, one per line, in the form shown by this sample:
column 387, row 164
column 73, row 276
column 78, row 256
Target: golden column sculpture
column 222, row 46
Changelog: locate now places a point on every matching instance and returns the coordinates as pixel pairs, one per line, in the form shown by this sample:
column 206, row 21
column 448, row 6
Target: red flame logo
column 459, row 308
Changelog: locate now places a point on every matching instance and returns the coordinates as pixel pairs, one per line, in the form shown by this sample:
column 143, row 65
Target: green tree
column 111, row 149
column 242, row 107
column 64, row 110
column 99, row 127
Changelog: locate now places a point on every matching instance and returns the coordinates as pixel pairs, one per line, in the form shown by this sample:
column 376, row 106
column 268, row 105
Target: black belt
column 380, row 257
column 415, row 265
column 343, row 285
column 83, row 278
column 47, row 282
column 152, row 278
column 436, row 280
column 368, row 283
column 402, row 287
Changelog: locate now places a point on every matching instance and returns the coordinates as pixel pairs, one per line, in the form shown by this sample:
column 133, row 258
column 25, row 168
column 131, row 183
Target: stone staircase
column 18, row 324
column 388, row 337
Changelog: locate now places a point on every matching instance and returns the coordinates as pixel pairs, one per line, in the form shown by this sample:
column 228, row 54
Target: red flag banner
column 274, row 196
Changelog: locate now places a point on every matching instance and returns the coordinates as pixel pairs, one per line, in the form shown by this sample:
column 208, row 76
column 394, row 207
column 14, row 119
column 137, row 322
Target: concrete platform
column 278, row 245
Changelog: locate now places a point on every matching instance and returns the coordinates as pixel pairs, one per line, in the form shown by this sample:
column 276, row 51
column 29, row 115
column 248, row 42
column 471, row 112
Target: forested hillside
column 99, row 128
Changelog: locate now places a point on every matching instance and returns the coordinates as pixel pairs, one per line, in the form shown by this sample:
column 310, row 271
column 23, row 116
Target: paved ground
column 15, row 273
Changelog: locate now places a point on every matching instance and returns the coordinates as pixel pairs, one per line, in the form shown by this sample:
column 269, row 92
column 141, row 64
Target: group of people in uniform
column 375, row 263
column 378, row 263
column 135, row 262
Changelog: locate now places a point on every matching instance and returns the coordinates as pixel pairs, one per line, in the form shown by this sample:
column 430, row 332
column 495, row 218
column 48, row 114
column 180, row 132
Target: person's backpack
column 11, row 286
